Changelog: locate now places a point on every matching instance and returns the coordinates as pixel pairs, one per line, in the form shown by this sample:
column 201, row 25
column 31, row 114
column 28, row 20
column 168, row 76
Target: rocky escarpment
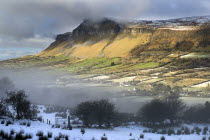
column 111, row 38
column 64, row 37
column 101, row 27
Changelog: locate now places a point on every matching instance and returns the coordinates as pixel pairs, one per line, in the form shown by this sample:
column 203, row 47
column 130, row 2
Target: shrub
column 104, row 137
column 43, row 138
column 8, row 123
column 141, row 136
column 39, row 134
column 2, row 133
column 39, row 119
column 19, row 136
column 6, row 136
column 154, row 130
column 186, row 131
column 145, row 131
column 162, row 138
column 12, row 132
column 182, row 128
column 57, row 126
column 192, row 131
column 82, row 131
column 197, row 130
column 61, row 135
column 28, row 124
column 49, row 134
column 170, row 132
column 21, row 132
column 204, row 138
column 163, row 131
column 2, row 122
column 28, row 136
column 57, row 138
column 179, row 132
column 205, row 129
column 66, row 137
column 10, row 137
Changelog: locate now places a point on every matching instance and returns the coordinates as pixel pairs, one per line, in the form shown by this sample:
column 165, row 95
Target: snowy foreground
column 119, row 133
column 75, row 134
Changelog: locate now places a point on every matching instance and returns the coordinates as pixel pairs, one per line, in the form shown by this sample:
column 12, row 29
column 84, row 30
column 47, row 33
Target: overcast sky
column 29, row 26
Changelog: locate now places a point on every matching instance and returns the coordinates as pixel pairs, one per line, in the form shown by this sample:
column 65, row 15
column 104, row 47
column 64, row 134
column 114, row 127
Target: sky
column 29, row 26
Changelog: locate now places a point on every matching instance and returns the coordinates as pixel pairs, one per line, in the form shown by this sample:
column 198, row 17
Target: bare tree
column 159, row 110
column 98, row 112
column 21, row 104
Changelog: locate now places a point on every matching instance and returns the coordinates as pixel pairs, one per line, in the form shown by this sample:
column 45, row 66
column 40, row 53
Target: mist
column 61, row 89
column 50, row 87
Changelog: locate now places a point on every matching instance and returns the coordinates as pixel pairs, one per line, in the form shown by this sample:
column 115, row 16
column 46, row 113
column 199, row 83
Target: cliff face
column 102, row 27
column 109, row 38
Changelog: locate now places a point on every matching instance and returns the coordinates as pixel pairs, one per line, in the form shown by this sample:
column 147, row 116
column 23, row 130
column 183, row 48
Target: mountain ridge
column 92, row 36
column 174, row 52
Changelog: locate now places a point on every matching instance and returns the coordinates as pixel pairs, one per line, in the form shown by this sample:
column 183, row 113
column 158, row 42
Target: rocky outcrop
column 101, row 27
column 64, row 37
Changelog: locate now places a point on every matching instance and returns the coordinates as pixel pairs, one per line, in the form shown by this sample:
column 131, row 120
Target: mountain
column 175, row 52
column 110, row 38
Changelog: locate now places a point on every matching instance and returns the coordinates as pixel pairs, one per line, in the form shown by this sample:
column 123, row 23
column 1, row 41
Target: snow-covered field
column 131, row 132
column 121, row 133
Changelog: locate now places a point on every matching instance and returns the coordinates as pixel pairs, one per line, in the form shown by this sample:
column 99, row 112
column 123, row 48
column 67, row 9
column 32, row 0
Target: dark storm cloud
column 26, row 18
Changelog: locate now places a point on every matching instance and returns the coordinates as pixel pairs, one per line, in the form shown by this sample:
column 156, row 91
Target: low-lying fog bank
column 56, row 88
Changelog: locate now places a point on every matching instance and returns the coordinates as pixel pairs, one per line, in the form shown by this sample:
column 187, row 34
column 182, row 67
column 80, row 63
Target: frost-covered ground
column 118, row 133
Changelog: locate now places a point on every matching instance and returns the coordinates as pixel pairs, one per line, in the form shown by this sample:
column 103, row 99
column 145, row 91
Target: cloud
column 22, row 19
column 161, row 9
column 32, row 42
